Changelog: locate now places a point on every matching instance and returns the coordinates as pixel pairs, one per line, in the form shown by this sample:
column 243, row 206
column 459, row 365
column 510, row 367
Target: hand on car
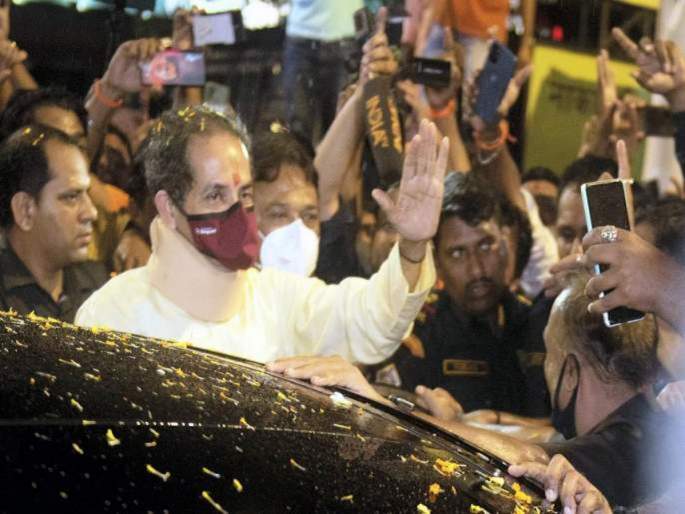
column 561, row 481
column 439, row 403
column 326, row 371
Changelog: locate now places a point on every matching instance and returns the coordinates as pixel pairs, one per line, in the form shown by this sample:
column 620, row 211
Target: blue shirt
column 324, row 20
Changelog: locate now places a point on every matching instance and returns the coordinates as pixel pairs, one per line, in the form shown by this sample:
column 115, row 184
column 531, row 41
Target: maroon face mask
column 230, row 236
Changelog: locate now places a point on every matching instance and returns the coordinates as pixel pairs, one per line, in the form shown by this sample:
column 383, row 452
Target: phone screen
column 174, row 68
column 605, row 204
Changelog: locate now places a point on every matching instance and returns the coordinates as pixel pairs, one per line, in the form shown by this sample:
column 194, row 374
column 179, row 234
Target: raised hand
column 416, row 212
column 123, row 74
column 378, row 59
column 563, row 482
column 661, row 66
column 5, row 20
column 10, row 55
column 182, row 36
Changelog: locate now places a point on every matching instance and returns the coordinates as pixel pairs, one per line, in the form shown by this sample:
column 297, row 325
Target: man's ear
column 24, row 209
column 166, row 208
column 572, row 372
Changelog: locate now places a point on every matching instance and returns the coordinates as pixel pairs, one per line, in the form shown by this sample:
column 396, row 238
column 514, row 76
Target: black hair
column 24, row 165
column 541, row 173
column 271, row 150
column 21, row 108
column 587, row 169
column 469, row 198
column 166, row 153
column 666, row 217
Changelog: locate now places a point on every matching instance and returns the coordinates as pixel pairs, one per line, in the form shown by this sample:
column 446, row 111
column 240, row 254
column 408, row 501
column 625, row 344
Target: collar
column 198, row 284
column 14, row 274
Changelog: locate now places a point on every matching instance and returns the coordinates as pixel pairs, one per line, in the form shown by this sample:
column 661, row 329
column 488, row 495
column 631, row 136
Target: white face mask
column 293, row 248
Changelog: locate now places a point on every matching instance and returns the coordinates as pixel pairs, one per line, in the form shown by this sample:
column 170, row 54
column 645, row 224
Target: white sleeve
column 361, row 320
column 544, row 253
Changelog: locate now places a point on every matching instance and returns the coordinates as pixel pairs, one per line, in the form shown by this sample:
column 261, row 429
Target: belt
column 316, row 44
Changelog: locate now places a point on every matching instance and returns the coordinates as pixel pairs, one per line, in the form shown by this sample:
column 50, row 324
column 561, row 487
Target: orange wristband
column 445, row 112
column 104, row 99
column 497, row 143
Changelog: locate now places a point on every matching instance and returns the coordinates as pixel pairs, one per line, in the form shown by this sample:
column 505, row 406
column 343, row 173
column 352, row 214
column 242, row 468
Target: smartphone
column 493, row 80
column 605, row 203
column 656, row 121
column 434, row 73
column 213, row 29
column 174, row 68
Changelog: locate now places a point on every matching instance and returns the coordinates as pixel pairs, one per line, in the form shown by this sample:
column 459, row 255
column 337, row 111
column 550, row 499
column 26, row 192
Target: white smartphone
column 605, row 202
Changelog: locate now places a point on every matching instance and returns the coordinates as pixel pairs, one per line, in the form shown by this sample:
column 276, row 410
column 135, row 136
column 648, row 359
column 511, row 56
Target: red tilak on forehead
column 236, row 179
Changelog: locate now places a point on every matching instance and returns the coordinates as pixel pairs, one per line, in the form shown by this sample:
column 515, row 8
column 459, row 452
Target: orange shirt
column 479, row 18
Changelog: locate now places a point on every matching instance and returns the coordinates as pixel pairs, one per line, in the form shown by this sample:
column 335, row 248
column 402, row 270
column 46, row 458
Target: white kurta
column 282, row 314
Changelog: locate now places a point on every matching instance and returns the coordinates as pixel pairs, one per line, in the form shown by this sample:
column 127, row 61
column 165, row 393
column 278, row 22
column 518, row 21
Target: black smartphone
column 656, row 121
column 174, row 68
column 605, row 203
column 493, row 80
column 434, row 73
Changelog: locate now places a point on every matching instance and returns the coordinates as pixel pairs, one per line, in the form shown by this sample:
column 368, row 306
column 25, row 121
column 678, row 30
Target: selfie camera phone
column 493, row 80
column 605, row 203
column 174, row 68
column 434, row 73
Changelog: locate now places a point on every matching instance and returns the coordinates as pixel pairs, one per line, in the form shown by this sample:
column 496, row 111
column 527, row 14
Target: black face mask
column 564, row 421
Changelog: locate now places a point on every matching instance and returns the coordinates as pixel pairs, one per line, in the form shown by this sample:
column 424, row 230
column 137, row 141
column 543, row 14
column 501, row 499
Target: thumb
column 381, row 20
column 383, row 200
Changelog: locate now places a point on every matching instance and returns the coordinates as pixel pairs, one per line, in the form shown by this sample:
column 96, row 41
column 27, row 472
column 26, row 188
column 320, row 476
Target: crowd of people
column 468, row 286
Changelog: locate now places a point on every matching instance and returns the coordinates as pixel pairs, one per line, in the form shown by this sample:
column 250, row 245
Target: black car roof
column 98, row 421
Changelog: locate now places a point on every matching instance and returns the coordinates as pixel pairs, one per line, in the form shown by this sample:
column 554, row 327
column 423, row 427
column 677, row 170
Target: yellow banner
column 647, row 4
column 562, row 95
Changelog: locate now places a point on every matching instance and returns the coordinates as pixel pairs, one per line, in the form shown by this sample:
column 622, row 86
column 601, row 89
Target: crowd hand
column 634, row 271
column 413, row 96
column 416, row 211
column 123, row 74
column 510, row 97
column 439, row 98
column 439, row 403
column 10, row 56
column 377, row 59
column 133, row 251
column 672, row 398
column 326, row 371
column 561, row 481
column 661, row 67
column 182, row 36
column 5, row 20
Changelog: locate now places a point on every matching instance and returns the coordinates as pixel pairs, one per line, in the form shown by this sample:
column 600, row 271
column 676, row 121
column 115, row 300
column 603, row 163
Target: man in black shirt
column 47, row 218
column 472, row 338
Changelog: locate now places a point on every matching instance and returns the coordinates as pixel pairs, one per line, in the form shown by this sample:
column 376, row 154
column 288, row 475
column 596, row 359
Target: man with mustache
column 468, row 338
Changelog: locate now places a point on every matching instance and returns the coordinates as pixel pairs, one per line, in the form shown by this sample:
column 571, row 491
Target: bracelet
column 104, row 99
column 497, row 143
column 412, row 260
column 445, row 112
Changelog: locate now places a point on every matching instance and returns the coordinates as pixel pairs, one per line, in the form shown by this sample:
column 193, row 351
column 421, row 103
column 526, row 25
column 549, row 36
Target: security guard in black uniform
column 474, row 339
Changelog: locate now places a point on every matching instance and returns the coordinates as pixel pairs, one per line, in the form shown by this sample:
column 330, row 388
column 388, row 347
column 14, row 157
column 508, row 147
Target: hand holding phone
column 492, row 82
column 605, row 203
